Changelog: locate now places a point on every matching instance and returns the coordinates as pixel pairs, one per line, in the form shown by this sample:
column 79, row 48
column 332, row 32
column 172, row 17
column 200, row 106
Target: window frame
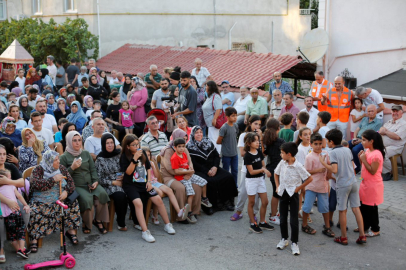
column 37, row 7
column 73, row 4
column 3, row 16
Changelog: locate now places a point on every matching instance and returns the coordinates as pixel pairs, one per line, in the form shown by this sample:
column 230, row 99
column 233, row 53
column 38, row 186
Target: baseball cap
column 397, row 107
column 225, row 81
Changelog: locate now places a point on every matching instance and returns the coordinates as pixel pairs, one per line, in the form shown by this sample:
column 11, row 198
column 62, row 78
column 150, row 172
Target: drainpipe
column 229, row 36
column 98, row 27
column 272, row 39
column 327, row 28
column 215, row 25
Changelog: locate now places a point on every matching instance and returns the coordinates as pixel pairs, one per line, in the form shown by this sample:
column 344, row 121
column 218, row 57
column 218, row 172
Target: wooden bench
column 394, row 161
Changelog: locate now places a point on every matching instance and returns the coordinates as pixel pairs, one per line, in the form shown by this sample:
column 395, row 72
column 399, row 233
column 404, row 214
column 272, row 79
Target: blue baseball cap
column 227, row 82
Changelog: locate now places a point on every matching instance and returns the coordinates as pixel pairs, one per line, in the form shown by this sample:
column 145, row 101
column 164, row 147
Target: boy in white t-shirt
column 322, row 120
column 21, row 79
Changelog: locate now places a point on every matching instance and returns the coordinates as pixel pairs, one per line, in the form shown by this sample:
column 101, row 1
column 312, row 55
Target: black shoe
column 22, row 254
column 208, row 210
column 387, row 176
column 339, row 226
column 266, row 226
column 183, row 221
column 254, row 227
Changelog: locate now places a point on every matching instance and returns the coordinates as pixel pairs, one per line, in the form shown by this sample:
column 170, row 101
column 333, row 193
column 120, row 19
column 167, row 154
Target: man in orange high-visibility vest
column 338, row 101
column 319, row 87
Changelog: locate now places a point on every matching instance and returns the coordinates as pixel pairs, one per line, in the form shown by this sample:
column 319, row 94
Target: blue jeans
column 233, row 161
column 355, row 149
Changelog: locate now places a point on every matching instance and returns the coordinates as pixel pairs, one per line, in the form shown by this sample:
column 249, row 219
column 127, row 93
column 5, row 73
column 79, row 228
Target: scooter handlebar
column 64, row 206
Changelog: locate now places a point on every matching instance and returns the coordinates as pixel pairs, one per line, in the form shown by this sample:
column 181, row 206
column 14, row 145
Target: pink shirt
column 371, row 188
column 319, row 183
column 8, row 192
column 126, row 117
column 139, row 98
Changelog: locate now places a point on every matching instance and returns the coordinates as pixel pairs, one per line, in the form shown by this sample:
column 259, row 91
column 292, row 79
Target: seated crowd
column 92, row 142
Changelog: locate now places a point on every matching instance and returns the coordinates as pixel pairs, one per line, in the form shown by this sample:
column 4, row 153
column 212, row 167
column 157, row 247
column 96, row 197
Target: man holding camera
column 156, row 102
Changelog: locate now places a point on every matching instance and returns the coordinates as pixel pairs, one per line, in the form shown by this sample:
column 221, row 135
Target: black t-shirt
column 83, row 91
column 72, row 71
column 139, row 176
column 15, row 173
column 255, row 161
column 273, row 152
column 113, row 111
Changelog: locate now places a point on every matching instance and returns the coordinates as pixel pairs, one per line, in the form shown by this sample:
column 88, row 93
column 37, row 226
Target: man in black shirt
column 85, row 86
column 187, row 100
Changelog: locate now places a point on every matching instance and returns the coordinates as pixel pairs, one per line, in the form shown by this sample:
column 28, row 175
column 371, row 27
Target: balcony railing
column 305, row 11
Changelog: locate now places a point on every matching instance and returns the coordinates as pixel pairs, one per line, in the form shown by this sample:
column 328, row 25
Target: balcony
column 305, row 11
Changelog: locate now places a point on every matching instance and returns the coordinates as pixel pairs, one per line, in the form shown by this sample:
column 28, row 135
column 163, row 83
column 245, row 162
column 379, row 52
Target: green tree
column 63, row 41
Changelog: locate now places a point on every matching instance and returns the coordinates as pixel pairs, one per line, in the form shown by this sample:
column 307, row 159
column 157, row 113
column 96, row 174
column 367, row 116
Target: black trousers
column 121, row 205
column 371, row 217
column 284, row 203
column 139, row 129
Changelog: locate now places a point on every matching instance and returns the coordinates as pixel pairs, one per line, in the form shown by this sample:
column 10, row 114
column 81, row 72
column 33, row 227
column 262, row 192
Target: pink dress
column 8, row 192
column 371, row 188
column 139, row 98
column 126, row 117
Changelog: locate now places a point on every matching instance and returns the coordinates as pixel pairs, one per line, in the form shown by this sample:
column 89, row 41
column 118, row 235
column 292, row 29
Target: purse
column 72, row 197
column 222, row 117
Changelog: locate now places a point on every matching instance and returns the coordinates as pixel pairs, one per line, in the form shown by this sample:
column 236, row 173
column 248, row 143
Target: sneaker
column 22, row 254
column 254, row 227
column 138, row 227
column 311, row 211
column 191, row 218
column 387, row 176
column 154, row 219
column 206, row 202
column 27, row 251
column 266, row 226
column 2, row 258
column 169, row 228
column 123, row 229
column 148, row 237
column 275, row 220
column 282, row 244
column 183, row 212
column 295, row 249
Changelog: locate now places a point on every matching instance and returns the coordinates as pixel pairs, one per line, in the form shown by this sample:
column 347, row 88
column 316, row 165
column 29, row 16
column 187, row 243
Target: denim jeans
column 355, row 149
column 233, row 161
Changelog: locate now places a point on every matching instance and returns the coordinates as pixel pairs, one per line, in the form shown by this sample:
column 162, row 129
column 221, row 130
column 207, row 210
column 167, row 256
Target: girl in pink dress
column 371, row 188
column 126, row 117
column 137, row 98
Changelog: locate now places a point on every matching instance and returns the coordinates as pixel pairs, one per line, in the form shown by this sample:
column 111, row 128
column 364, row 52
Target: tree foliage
column 63, row 41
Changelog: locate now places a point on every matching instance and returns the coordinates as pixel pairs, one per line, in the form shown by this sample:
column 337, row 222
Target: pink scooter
column 64, row 258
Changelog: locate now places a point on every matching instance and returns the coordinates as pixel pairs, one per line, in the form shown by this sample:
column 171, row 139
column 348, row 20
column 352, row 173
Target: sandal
column 373, row 234
column 341, row 240
column 361, row 240
column 34, row 247
column 236, row 217
column 72, row 237
column 309, row 230
column 102, row 230
column 154, row 219
column 86, row 230
column 328, row 232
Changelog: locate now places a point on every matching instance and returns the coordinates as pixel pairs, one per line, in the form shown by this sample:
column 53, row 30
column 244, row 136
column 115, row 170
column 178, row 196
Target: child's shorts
column 195, row 179
column 347, row 195
column 332, row 200
column 132, row 127
column 157, row 185
column 255, row 185
column 322, row 201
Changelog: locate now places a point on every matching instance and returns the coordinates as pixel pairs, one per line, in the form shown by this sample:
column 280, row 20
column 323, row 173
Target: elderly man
column 93, row 143
column 394, row 138
column 120, row 77
column 52, row 70
column 371, row 96
column 277, row 104
column 88, row 130
column 373, row 122
column 291, row 108
column 319, row 87
column 114, row 79
column 152, row 79
column 82, row 74
column 256, row 106
column 92, row 63
column 241, row 106
column 283, row 86
column 49, row 121
column 226, row 96
column 154, row 139
column 338, row 100
column 312, row 123
column 201, row 73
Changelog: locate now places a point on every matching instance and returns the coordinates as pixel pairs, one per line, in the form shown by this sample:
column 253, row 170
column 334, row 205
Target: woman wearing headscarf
column 137, row 98
column 8, row 130
column 52, row 105
column 25, row 109
column 71, row 98
column 31, row 151
column 45, row 79
column 125, row 88
column 93, row 198
column 105, row 82
column 77, row 116
column 62, row 111
column 97, row 91
column 93, row 71
column 168, row 176
column 61, row 145
column 44, row 192
column 88, row 104
column 111, row 177
column 221, row 189
column 18, row 91
column 63, row 93
column 32, row 76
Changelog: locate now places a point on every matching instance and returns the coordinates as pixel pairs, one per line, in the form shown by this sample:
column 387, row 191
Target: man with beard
column 187, row 100
column 49, row 121
column 160, row 93
column 278, row 84
column 312, row 124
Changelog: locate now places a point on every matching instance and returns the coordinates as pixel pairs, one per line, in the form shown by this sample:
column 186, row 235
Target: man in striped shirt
column 154, row 139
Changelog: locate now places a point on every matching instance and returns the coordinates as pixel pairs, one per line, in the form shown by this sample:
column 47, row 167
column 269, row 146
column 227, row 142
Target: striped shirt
column 154, row 145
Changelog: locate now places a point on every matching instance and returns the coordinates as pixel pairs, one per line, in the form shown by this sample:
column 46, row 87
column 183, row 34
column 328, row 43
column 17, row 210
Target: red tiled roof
column 239, row 68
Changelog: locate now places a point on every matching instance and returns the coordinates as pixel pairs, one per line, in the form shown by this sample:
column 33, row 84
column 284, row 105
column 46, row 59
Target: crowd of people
column 93, row 141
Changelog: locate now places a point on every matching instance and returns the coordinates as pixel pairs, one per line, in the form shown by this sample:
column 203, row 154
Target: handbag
column 221, row 119
column 72, row 197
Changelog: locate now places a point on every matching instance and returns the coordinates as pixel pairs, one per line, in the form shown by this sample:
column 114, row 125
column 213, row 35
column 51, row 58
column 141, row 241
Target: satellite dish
column 314, row 45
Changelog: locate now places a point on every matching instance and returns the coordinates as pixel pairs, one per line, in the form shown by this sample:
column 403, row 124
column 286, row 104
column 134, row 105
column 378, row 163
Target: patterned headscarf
column 138, row 81
column 38, row 145
column 53, row 106
column 201, row 149
column 7, row 121
column 177, row 133
column 69, row 143
column 47, row 164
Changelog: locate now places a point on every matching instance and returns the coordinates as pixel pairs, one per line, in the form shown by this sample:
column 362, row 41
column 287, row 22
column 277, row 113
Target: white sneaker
column 295, row 249
column 275, row 220
column 148, row 237
column 138, row 227
column 169, row 228
column 311, row 211
column 282, row 244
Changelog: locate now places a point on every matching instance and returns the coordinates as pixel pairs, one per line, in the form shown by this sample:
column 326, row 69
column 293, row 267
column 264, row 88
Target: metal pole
column 229, row 36
column 98, row 27
column 272, row 39
column 215, row 25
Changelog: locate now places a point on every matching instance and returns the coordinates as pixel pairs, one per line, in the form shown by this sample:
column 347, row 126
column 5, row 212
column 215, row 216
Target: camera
column 171, row 98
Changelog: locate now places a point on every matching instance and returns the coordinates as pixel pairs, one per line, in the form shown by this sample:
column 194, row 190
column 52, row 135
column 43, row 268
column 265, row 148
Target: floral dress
column 201, row 97
column 107, row 169
column 27, row 157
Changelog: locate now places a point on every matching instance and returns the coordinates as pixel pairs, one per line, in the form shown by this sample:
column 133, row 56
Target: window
column 3, row 11
column 36, row 7
column 70, row 6
column 247, row 47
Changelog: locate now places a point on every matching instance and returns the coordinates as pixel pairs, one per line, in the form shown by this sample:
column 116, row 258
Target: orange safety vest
column 323, row 89
column 339, row 109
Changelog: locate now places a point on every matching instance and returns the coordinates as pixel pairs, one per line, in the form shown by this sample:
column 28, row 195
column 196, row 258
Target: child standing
column 255, row 181
column 289, row 175
column 371, row 188
column 286, row 133
column 13, row 221
column 318, row 188
column 302, row 118
column 228, row 140
column 187, row 177
column 322, row 120
column 346, row 184
column 357, row 114
column 125, row 118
